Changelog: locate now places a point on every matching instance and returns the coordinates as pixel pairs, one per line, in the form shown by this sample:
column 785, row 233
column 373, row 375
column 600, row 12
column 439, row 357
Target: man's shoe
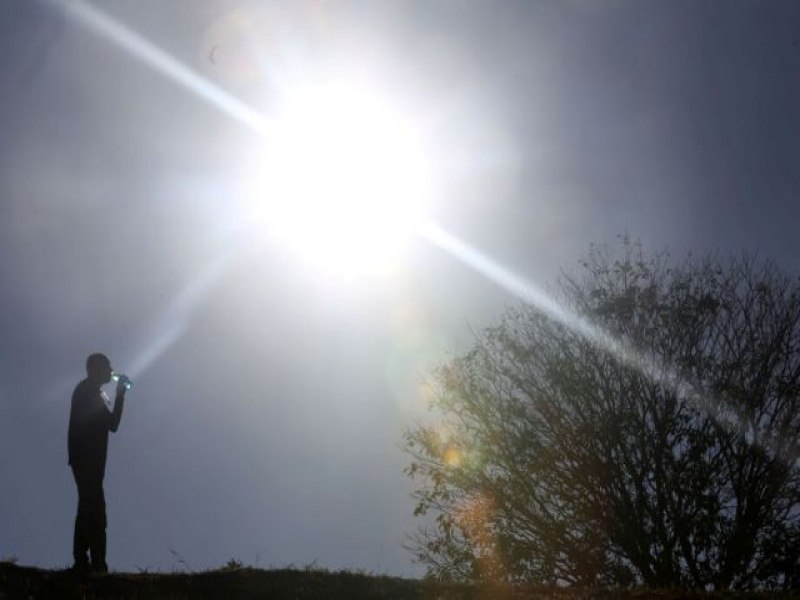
column 81, row 568
column 99, row 568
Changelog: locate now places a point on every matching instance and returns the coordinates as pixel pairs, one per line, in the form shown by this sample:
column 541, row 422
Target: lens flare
column 452, row 456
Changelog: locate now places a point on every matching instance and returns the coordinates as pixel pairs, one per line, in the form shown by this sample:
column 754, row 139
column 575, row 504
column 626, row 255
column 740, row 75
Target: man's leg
column 80, row 542
column 98, row 539
column 96, row 521
column 90, row 524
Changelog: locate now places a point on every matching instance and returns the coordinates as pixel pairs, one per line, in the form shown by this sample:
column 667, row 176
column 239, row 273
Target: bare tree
column 649, row 434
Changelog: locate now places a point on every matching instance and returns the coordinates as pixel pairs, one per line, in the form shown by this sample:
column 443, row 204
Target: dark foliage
column 644, row 432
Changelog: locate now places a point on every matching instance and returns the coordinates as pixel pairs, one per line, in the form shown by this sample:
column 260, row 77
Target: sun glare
column 344, row 178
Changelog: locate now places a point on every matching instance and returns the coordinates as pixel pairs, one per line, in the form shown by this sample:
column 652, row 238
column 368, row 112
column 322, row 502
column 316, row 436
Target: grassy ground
column 17, row 582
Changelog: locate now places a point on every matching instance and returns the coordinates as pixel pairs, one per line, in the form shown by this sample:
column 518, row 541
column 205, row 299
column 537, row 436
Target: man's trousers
column 90, row 522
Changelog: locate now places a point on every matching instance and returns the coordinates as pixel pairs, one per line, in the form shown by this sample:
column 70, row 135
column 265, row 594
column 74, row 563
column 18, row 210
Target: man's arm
column 79, row 417
column 119, row 404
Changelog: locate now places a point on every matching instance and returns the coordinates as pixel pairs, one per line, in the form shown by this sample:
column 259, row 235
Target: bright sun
column 344, row 178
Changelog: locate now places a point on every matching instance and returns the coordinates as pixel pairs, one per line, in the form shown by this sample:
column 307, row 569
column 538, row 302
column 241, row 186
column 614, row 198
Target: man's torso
column 88, row 428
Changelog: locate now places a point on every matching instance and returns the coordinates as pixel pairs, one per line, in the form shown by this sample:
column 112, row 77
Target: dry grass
column 234, row 582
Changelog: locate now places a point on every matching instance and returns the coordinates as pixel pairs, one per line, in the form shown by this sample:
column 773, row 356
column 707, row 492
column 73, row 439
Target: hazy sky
column 270, row 396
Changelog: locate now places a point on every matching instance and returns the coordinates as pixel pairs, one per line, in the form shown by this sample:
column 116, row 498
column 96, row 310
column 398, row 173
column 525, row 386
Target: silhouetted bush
column 640, row 430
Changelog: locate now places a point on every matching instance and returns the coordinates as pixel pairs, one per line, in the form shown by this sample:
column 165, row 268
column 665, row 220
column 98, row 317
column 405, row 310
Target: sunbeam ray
column 646, row 364
column 175, row 319
column 139, row 47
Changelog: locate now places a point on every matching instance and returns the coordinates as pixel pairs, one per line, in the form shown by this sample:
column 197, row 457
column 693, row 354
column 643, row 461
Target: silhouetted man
column 90, row 420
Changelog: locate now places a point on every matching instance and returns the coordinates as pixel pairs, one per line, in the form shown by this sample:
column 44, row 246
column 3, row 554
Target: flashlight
column 124, row 379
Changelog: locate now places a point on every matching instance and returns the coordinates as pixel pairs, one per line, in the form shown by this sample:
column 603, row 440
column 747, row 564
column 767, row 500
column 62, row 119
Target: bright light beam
column 529, row 293
column 139, row 47
column 723, row 412
column 174, row 321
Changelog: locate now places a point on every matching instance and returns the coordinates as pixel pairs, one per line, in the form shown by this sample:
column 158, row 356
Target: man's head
column 98, row 368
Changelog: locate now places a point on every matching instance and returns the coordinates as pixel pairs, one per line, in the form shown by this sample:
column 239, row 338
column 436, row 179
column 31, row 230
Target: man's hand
column 122, row 386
